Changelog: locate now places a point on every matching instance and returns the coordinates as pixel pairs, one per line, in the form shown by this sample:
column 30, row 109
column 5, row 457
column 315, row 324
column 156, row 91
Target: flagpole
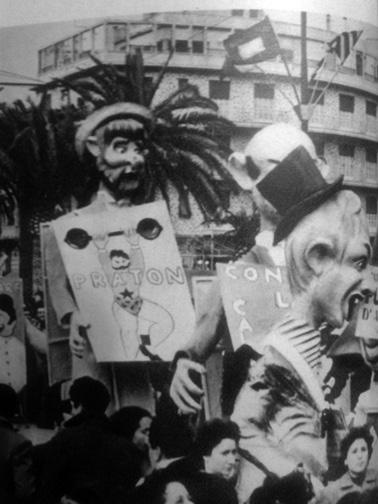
column 304, row 72
column 284, row 61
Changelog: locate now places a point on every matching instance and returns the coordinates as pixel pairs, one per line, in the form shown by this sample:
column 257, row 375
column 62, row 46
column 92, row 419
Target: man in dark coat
column 86, row 461
column 16, row 475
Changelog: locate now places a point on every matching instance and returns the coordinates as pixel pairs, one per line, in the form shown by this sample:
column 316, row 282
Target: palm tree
column 39, row 169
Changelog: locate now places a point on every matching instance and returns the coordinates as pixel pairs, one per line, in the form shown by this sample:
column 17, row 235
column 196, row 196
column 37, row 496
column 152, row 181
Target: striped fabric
column 343, row 44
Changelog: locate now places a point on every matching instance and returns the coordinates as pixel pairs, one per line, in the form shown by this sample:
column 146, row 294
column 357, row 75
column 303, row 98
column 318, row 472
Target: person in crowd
column 134, row 423
column 270, row 144
column 12, row 349
column 162, row 488
column 86, row 461
column 17, row 481
column 356, row 449
column 211, row 469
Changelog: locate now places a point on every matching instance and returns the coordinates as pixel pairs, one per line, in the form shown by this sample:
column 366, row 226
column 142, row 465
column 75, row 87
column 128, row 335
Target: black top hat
column 295, row 187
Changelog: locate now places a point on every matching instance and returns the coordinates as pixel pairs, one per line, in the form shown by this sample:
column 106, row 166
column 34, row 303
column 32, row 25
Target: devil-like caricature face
column 327, row 257
column 120, row 150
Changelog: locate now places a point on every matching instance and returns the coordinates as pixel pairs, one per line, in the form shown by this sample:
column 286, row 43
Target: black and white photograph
column 188, row 252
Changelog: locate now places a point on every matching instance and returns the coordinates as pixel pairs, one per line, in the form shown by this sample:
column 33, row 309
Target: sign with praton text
column 127, row 277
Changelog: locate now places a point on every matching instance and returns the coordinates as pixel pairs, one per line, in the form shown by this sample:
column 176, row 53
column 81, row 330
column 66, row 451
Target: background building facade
column 343, row 122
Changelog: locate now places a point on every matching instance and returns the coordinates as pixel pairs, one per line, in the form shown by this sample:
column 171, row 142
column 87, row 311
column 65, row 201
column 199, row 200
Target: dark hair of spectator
column 354, row 434
column 9, row 405
column 7, row 306
column 89, row 393
column 125, row 421
column 350, row 498
column 153, row 489
column 211, row 433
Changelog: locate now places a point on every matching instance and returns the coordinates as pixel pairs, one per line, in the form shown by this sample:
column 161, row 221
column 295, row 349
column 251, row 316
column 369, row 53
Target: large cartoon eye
column 149, row 228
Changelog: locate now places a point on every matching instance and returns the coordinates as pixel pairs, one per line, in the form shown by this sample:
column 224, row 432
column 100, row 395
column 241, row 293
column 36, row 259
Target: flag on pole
column 341, row 46
column 253, row 45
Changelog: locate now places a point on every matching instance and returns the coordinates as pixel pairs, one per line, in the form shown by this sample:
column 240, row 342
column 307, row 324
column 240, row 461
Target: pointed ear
column 320, row 255
column 92, row 146
column 237, row 166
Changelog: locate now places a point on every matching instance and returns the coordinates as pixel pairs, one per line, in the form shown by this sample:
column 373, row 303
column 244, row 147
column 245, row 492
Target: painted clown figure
column 117, row 136
column 281, row 409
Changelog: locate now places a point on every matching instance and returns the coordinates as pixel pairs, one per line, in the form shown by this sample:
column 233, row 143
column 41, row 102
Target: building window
column 253, row 13
column 164, row 45
column 197, row 46
column 346, row 150
column 371, row 108
column 182, row 46
column 264, row 91
column 371, row 155
column 359, row 63
column 371, row 205
column 182, row 83
column 371, row 164
column 371, row 210
column 320, row 148
column 346, row 103
column 219, row 90
column 237, row 12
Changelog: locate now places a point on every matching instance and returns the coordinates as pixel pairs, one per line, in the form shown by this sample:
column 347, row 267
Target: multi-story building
column 343, row 122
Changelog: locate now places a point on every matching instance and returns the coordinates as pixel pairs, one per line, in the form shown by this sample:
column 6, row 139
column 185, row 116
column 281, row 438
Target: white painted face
column 223, row 459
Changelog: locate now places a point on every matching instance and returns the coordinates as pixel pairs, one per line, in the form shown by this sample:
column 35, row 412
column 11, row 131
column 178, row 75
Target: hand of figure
column 184, row 392
column 78, row 330
column 132, row 237
column 100, row 240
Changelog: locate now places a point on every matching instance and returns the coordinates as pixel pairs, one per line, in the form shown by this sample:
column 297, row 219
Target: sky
column 19, row 44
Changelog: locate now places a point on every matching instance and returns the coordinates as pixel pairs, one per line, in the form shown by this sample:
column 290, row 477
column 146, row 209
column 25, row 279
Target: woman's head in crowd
column 217, row 442
column 356, row 450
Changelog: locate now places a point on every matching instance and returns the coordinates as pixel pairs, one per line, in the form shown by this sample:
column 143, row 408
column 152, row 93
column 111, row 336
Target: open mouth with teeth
column 354, row 302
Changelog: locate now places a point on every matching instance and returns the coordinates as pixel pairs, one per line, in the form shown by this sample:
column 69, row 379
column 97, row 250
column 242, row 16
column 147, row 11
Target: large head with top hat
column 117, row 136
column 326, row 237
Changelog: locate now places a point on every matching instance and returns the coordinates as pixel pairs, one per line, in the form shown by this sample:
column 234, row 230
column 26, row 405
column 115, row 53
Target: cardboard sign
column 12, row 348
column 255, row 297
column 59, row 357
column 367, row 320
column 126, row 273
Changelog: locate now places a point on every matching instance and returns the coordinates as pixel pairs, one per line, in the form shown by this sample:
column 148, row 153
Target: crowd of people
column 132, row 456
